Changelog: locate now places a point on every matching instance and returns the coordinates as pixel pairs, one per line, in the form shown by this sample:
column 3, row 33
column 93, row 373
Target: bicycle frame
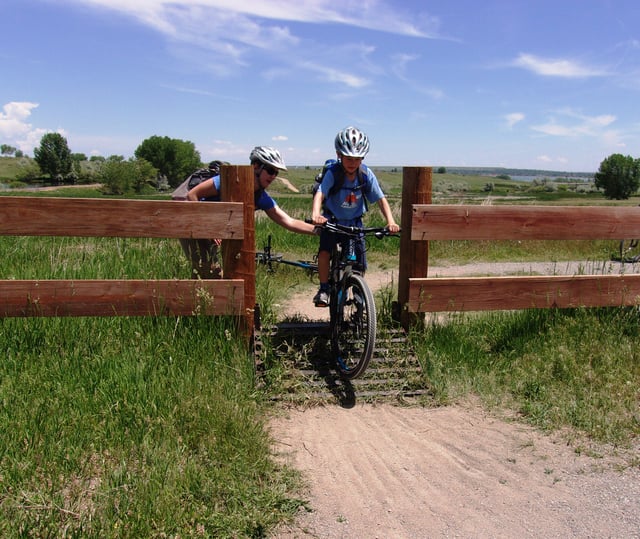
column 267, row 258
column 352, row 311
column 351, row 306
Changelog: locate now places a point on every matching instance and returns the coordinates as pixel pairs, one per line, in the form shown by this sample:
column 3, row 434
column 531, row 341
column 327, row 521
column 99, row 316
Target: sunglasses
column 271, row 171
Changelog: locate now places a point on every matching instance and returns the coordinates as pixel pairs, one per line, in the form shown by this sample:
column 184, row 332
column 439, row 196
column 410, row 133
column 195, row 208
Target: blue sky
column 542, row 84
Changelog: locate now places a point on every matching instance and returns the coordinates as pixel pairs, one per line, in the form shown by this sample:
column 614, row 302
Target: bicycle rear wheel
column 353, row 332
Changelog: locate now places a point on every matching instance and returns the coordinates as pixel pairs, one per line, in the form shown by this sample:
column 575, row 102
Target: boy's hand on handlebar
column 393, row 228
column 318, row 220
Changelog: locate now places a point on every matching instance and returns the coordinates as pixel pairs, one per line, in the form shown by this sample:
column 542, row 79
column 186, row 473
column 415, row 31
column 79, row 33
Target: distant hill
column 516, row 172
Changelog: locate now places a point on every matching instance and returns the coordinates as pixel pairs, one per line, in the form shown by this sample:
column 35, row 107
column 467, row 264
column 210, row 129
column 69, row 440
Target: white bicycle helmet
column 352, row 142
column 267, row 156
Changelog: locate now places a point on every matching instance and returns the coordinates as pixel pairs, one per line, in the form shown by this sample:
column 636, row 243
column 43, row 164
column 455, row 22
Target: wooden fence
column 233, row 221
column 423, row 221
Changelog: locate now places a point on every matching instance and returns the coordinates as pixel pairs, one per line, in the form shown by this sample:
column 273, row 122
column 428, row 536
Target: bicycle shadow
column 305, row 348
column 341, row 389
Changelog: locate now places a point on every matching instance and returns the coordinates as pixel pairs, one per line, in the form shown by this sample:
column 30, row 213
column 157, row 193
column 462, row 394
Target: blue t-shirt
column 261, row 199
column 347, row 205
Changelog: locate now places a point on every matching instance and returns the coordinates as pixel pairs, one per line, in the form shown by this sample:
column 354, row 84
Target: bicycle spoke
column 354, row 328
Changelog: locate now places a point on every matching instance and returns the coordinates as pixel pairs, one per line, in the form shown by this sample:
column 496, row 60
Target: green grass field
column 153, row 427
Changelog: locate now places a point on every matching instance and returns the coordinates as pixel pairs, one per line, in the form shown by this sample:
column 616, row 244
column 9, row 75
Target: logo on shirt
column 350, row 201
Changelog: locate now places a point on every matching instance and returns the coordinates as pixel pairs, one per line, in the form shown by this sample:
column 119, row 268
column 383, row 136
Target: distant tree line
column 157, row 162
column 7, row 150
column 166, row 162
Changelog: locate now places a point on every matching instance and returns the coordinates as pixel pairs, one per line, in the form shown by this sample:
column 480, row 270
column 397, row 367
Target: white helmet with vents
column 352, row 142
column 267, row 156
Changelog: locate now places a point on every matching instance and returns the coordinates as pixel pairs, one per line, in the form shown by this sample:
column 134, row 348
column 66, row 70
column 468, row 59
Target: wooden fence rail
column 467, row 222
column 29, row 216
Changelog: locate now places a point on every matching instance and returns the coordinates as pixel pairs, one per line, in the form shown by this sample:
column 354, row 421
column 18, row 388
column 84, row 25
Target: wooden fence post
column 238, row 256
column 414, row 255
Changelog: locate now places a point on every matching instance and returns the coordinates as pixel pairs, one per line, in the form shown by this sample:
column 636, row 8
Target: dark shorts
column 329, row 239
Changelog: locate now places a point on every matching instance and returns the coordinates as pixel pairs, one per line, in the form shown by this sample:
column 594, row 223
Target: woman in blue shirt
column 267, row 163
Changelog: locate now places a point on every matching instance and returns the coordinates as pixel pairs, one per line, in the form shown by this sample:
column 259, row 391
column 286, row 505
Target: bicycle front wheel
column 353, row 332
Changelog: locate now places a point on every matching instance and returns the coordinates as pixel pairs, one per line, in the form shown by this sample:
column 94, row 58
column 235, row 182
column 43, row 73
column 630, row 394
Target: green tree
column 119, row 177
column 53, row 156
column 175, row 159
column 618, row 176
column 5, row 149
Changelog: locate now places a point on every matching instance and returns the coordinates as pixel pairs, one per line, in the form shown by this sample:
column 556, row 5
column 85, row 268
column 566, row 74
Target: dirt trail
column 409, row 472
column 392, row 472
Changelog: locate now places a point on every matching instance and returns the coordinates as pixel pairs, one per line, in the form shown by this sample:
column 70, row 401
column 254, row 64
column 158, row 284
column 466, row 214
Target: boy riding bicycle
column 341, row 198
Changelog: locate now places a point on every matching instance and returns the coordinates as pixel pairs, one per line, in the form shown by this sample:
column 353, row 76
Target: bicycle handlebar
column 379, row 232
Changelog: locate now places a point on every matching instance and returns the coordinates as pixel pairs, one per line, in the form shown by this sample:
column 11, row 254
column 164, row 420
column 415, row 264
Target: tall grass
column 130, row 426
column 576, row 368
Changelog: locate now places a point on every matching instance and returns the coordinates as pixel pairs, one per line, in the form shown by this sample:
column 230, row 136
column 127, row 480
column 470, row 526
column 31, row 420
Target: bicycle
column 352, row 310
column 627, row 251
column 352, row 307
column 267, row 258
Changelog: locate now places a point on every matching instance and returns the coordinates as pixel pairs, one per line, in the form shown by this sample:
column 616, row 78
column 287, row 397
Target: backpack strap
column 362, row 181
column 362, row 177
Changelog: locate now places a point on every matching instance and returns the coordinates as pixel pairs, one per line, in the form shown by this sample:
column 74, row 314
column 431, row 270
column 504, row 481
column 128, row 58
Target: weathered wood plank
column 505, row 293
column 46, row 216
column 414, row 258
column 462, row 222
column 239, row 257
column 26, row 298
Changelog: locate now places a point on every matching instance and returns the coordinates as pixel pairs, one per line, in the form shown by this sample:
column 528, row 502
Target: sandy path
column 391, row 472
column 396, row 472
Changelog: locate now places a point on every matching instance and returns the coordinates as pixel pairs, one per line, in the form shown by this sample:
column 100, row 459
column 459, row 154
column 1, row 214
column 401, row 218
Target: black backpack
column 197, row 178
column 203, row 174
column 338, row 176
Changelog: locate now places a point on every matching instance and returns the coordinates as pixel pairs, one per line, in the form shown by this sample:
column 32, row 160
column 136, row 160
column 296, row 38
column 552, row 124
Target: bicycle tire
column 353, row 331
column 626, row 247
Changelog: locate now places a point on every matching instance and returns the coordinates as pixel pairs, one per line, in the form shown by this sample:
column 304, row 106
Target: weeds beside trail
column 129, row 427
column 575, row 368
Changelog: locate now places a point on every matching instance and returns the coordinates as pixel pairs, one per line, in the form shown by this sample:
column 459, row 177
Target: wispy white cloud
column 557, row 67
column 581, row 125
column 240, row 30
column 513, row 118
column 165, row 15
column 197, row 91
column 226, row 150
column 399, row 66
column 335, row 75
column 547, row 160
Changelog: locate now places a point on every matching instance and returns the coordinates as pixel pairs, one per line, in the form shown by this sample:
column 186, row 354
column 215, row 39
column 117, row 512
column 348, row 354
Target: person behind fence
column 267, row 163
column 342, row 195
column 202, row 253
